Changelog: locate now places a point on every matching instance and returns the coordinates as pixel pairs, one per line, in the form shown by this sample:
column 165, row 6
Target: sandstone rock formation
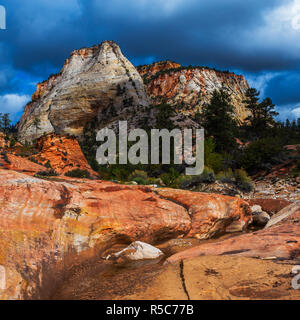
column 280, row 239
column 98, row 86
column 3, row 143
column 200, row 278
column 63, row 154
column 47, row 227
column 271, row 206
column 95, row 84
column 211, row 214
column 190, row 87
column 12, row 162
column 60, row 153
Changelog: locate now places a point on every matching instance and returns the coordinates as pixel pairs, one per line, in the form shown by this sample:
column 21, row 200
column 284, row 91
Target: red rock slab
column 21, row 164
column 211, row 214
column 47, row 226
column 279, row 240
column 271, row 206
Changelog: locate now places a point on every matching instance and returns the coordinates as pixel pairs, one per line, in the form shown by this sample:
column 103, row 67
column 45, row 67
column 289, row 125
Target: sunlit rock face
column 190, row 87
column 3, row 142
column 279, row 240
column 95, row 83
column 98, row 86
column 49, row 226
column 63, row 154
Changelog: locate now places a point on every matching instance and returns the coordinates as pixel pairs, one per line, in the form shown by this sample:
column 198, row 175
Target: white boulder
column 138, row 251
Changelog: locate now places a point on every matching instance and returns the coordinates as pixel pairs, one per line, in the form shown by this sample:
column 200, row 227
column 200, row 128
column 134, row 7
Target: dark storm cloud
column 248, row 36
column 198, row 32
column 285, row 88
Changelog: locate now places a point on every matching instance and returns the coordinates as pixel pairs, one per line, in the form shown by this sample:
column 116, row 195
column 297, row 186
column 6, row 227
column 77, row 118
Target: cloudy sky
column 259, row 39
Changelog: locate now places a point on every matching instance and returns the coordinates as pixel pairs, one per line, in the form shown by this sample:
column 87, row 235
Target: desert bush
column 138, row 174
column 27, row 150
column 260, row 153
column 48, row 173
column 78, row 173
column 207, row 176
column 156, row 181
column 120, row 174
column 140, row 180
column 243, row 181
column 5, row 157
column 170, row 179
column 226, row 176
column 212, row 159
column 48, row 165
column 185, row 181
column 12, row 142
column 296, row 171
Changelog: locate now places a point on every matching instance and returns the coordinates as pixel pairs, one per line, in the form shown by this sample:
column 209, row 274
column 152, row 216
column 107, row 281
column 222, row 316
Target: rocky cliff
column 98, row 86
column 190, row 87
column 95, row 83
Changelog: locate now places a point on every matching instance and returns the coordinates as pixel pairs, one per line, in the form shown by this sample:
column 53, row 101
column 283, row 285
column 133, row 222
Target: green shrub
column 170, row 179
column 185, row 181
column 5, row 157
column 138, row 174
column 156, row 181
column 212, row 159
column 226, row 176
column 78, row 173
column 27, row 150
column 207, row 176
column 48, row 173
column 243, row 181
column 259, row 153
column 48, row 165
column 140, row 180
column 12, row 142
column 120, row 174
column 296, row 171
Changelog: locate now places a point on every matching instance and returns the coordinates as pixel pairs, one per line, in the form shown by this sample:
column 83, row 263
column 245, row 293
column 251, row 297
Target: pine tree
column 6, row 122
column 219, row 121
column 262, row 114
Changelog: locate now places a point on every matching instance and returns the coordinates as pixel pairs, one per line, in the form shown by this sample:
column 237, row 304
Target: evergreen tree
column 262, row 113
column 6, row 122
column 219, row 121
column 164, row 114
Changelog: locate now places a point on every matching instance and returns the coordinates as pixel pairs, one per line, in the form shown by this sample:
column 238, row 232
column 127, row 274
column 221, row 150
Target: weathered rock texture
column 95, row 83
column 19, row 164
column 211, row 214
column 98, row 86
column 47, row 227
column 3, row 143
column 280, row 239
column 63, row 153
column 271, row 206
column 201, row 278
column 190, row 87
